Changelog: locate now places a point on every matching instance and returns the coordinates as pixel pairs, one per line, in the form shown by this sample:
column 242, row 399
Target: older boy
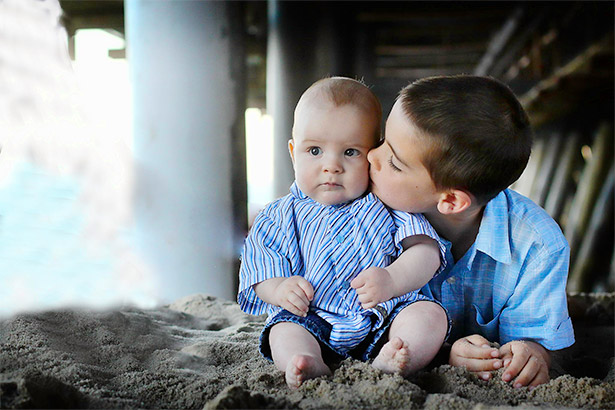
column 452, row 147
column 318, row 260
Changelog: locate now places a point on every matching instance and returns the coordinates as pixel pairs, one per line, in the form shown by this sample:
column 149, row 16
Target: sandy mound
column 202, row 352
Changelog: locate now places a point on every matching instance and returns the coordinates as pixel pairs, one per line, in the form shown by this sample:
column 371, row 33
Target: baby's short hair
column 340, row 91
column 478, row 137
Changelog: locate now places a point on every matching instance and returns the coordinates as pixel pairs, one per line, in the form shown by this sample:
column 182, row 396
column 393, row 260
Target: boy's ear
column 291, row 150
column 454, row 201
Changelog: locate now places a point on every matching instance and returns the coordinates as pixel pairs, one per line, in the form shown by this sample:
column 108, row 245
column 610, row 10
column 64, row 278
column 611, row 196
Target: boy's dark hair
column 478, row 136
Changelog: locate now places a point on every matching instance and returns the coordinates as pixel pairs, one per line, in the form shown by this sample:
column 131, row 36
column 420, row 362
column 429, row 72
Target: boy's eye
column 351, row 152
column 314, row 151
column 396, row 169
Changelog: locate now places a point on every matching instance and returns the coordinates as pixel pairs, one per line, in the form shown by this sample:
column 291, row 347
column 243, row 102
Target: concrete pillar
column 305, row 43
column 186, row 128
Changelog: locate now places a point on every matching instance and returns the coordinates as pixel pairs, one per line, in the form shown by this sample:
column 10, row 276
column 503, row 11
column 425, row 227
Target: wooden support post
column 543, row 179
column 525, row 183
column 562, row 180
column 499, row 42
column 586, row 269
column 588, row 188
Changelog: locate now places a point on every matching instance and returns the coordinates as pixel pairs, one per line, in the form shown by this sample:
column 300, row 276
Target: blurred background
column 140, row 138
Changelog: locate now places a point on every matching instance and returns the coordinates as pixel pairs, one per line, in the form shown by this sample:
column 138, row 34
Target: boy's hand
column 475, row 354
column 294, row 294
column 526, row 362
column 373, row 285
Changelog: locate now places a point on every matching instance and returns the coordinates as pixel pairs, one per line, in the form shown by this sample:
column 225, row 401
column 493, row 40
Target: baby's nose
column 333, row 165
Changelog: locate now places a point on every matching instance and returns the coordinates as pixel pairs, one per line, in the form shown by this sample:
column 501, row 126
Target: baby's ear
column 291, row 150
column 454, row 201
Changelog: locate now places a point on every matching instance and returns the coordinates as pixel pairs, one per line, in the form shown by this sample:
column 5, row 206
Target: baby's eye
column 396, row 169
column 352, row 152
column 314, row 151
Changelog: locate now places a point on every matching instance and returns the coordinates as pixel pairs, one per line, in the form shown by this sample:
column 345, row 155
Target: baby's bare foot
column 304, row 367
column 394, row 357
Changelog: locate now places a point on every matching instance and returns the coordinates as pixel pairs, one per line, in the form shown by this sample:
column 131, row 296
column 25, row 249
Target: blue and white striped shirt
column 511, row 283
column 328, row 246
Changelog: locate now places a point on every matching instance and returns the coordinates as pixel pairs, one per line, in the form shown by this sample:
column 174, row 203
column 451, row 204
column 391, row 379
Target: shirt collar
column 493, row 235
column 296, row 192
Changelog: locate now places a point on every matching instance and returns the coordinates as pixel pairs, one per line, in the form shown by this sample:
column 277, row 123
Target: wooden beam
column 111, row 21
column 569, row 83
column 588, row 188
column 421, row 72
column 499, row 42
column 426, row 60
column 581, row 63
column 456, row 17
column 511, row 53
column 435, row 49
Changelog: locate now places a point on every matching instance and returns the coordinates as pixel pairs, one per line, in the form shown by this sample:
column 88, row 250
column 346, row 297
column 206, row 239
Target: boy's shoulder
column 527, row 220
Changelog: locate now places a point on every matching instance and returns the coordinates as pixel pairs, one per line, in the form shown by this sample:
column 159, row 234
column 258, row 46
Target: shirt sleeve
column 408, row 224
column 267, row 253
column 538, row 310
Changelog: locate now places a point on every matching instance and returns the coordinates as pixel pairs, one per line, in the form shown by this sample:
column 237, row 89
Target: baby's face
column 329, row 152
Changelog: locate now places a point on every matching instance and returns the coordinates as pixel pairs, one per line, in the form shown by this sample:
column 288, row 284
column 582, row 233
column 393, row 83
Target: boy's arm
column 410, row 271
column 540, row 293
column 293, row 293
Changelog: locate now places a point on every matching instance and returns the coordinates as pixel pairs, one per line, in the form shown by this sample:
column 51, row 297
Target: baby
column 321, row 261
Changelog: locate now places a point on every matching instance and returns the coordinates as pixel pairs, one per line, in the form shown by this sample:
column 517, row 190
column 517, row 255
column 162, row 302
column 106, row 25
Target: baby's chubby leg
column 415, row 337
column 296, row 352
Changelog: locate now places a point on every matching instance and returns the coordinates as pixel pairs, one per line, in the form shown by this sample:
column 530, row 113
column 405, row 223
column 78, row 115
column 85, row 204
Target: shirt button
column 346, row 284
column 339, row 238
column 451, row 280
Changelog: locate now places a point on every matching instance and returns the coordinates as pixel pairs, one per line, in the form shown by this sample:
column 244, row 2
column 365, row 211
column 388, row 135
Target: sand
column 202, row 352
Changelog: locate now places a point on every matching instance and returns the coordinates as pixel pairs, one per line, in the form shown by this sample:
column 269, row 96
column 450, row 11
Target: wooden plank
column 562, row 180
column 583, row 274
column 560, row 93
column 524, row 184
column 611, row 280
column 540, row 188
column 435, row 50
column 498, row 42
column 434, row 18
column 520, row 40
column 589, row 187
column 425, row 60
column 414, row 73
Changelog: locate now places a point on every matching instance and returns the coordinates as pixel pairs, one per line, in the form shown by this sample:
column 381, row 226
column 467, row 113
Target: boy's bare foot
column 394, row 357
column 303, row 367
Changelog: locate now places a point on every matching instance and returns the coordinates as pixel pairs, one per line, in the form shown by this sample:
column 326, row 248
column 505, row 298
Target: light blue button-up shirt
column 511, row 283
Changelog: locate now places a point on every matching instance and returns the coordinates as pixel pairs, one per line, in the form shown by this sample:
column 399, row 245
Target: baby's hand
column 525, row 361
column 373, row 285
column 295, row 294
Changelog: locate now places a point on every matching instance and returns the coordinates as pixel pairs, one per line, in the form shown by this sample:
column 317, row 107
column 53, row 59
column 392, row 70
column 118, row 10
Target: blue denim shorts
column 321, row 330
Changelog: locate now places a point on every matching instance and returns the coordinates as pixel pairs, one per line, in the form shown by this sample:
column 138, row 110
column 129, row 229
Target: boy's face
column 397, row 174
column 329, row 152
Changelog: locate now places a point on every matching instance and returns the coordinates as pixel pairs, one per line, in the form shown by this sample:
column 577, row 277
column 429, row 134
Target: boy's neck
column 460, row 229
